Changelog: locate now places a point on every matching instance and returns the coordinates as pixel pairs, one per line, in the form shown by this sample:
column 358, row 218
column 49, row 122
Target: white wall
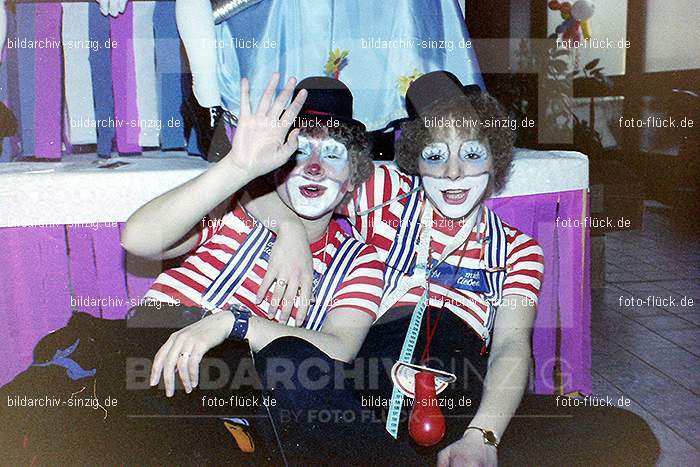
column 673, row 41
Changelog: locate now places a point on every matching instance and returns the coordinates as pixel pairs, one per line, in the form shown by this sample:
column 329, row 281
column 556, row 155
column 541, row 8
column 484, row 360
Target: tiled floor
column 646, row 334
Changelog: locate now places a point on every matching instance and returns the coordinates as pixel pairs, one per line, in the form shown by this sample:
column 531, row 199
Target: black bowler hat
column 435, row 86
column 327, row 98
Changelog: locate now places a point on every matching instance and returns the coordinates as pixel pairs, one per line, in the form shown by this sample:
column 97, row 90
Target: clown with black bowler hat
column 313, row 167
column 334, row 159
column 474, row 278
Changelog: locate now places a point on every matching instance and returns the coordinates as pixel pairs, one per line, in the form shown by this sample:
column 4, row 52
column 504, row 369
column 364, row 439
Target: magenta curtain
column 49, row 271
column 564, row 303
column 124, row 80
column 48, row 85
column 52, row 270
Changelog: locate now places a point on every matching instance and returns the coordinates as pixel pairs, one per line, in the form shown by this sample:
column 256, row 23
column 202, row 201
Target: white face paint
column 332, row 153
column 312, row 199
column 455, row 199
column 455, row 174
column 473, row 154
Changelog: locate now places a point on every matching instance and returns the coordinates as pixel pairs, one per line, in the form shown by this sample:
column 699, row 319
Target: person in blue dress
column 376, row 48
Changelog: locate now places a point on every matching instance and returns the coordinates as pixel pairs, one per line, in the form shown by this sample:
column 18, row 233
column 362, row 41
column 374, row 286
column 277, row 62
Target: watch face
column 490, row 437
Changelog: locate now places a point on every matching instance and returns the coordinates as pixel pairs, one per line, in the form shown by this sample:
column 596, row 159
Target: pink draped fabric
column 124, row 81
column 35, row 298
column 49, row 91
column 564, row 302
column 57, row 269
column 50, row 271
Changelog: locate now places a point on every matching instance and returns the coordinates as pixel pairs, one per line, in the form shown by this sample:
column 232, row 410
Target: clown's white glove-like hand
column 112, row 7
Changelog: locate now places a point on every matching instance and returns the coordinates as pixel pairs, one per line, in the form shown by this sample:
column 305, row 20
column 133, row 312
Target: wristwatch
column 489, row 436
column 241, row 317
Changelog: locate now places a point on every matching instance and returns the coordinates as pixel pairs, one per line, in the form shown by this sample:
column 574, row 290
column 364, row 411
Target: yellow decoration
column 240, row 433
column 405, row 81
column 586, row 29
column 337, row 59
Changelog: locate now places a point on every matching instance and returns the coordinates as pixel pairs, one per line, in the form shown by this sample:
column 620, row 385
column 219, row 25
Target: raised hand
column 259, row 144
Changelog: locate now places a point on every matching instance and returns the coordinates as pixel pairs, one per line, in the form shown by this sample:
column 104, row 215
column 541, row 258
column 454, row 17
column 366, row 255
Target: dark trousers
column 324, row 412
column 315, row 413
column 139, row 425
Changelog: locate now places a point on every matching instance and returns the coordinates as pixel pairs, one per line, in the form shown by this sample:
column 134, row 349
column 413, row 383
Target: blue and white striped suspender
column 258, row 244
column 496, row 255
column 403, row 247
column 330, row 281
column 232, row 275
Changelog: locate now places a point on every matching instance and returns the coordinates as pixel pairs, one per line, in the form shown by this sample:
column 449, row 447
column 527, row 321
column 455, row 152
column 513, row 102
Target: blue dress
column 375, row 47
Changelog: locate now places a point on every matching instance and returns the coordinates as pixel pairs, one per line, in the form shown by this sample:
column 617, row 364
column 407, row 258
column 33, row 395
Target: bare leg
column 196, row 26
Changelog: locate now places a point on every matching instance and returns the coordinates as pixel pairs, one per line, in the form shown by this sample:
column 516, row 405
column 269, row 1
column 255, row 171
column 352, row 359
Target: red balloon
column 554, row 5
column 566, row 8
column 426, row 425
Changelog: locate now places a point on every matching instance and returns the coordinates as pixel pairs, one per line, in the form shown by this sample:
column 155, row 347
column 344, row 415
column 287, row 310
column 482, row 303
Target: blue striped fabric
column 26, row 79
column 168, row 75
column 330, row 281
column 400, row 257
column 257, row 244
column 101, row 68
column 233, row 274
column 496, row 257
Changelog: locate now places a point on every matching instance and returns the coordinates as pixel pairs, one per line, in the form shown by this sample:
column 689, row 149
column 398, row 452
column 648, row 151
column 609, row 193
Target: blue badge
column 473, row 280
column 267, row 250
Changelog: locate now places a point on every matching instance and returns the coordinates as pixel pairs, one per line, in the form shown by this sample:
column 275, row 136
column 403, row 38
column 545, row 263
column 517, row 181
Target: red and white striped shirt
column 524, row 262
column 361, row 288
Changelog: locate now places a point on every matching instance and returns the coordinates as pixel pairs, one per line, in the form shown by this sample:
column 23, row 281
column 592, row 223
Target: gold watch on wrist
column 490, row 437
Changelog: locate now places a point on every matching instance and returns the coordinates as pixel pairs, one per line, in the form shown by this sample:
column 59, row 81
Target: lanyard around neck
column 426, row 233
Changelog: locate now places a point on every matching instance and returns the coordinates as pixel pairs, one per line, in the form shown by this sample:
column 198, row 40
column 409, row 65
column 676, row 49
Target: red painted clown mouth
column 455, row 196
column 312, row 190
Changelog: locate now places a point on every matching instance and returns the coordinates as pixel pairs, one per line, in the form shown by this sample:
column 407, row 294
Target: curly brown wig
column 483, row 112
column 353, row 136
